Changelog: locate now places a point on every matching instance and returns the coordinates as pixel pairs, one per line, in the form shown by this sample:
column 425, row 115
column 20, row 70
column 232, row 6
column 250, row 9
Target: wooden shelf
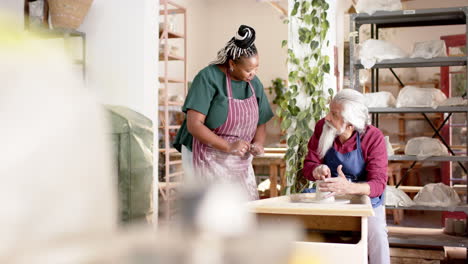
column 170, row 80
column 171, row 57
column 171, row 3
column 424, row 236
column 172, row 150
column 173, row 171
column 171, row 35
column 170, row 127
column 170, row 185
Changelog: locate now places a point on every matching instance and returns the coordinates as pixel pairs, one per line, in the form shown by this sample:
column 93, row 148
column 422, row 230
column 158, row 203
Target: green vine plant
column 279, row 87
column 305, row 102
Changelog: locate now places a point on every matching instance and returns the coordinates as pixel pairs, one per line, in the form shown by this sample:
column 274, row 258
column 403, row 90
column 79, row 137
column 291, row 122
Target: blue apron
column 354, row 166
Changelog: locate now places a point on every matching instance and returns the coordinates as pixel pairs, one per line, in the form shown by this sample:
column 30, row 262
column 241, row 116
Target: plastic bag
column 390, row 150
column 371, row 6
column 437, row 194
column 380, row 99
column 374, row 50
column 411, row 96
column 424, row 147
column 396, row 197
column 429, row 49
column 453, row 101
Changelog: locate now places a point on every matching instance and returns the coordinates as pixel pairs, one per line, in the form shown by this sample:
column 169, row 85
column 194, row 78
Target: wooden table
column 324, row 218
column 274, row 158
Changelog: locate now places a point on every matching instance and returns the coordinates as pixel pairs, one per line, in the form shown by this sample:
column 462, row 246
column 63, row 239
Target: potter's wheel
column 336, row 201
column 311, row 198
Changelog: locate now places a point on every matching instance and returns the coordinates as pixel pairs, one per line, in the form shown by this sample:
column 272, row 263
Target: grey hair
column 355, row 110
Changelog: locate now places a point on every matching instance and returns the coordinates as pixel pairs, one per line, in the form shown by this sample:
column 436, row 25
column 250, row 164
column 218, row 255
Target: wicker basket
column 68, row 13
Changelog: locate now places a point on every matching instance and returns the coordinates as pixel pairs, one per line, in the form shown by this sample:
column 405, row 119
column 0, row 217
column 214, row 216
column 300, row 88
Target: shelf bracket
column 436, row 133
column 398, row 79
column 440, row 136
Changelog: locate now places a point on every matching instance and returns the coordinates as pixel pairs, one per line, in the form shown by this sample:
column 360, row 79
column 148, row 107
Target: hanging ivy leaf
column 285, row 124
column 305, row 7
column 314, row 45
column 308, row 19
column 326, row 68
column 294, row 11
column 306, row 79
column 315, row 21
column 284, row 43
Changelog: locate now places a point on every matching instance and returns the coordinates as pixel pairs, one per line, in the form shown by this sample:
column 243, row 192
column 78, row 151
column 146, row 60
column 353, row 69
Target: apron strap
column 228, row 84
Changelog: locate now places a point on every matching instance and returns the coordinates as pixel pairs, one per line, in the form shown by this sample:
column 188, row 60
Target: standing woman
column 226, row 114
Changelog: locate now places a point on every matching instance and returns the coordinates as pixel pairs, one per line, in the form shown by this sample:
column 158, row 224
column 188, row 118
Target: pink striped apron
column 212, row 165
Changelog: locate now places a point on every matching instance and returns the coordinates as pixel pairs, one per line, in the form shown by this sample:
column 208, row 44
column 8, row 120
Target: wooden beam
column 279, row 8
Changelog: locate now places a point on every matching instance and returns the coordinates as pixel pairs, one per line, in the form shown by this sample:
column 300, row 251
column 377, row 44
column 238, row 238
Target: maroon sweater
column 374, row 151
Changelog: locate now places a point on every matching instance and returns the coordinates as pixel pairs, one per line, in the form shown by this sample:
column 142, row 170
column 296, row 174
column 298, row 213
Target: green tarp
column 132, row 140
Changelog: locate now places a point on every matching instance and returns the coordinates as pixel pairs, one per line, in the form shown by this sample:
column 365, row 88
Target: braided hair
column 241, row 45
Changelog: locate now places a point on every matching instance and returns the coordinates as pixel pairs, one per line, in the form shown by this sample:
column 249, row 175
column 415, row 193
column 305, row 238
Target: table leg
column 273, row 180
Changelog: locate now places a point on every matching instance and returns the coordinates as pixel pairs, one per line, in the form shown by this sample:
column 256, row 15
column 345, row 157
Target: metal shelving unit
column 424, row 236
column 404, row 110
column 433, row 158
column 404, row 18
column 414, row 18
column 417, row 62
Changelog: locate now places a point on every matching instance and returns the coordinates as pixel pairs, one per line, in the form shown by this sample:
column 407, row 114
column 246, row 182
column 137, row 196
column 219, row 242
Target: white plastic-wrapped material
column 454, row 101
column 429, row 49
column 424, row 147
column 396, row 197
column 437, row 194
column 411, row 96
column 380, row 99
column 374, row 50
column 371, row 6
column 390, row 150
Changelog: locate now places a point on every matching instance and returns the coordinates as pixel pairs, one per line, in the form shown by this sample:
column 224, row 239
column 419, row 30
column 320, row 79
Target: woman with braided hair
column 226, row 114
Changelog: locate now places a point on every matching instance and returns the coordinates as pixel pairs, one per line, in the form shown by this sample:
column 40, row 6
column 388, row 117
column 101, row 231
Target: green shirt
column 208, row 95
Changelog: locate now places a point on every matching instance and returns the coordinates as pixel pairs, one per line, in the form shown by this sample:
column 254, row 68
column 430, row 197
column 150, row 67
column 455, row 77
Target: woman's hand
column 256, row 149
column 239, row 148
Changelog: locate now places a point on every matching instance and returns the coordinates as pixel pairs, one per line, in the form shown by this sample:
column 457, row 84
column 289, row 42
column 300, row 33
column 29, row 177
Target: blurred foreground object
column 217, row 227
column 57, row 186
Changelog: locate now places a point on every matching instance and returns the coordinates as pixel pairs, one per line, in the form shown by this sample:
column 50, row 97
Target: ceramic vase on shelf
column 68, row 14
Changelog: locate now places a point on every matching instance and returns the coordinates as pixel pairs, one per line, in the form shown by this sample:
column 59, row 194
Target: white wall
column 211, row 23
column 122, row 41
column 122, row 48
